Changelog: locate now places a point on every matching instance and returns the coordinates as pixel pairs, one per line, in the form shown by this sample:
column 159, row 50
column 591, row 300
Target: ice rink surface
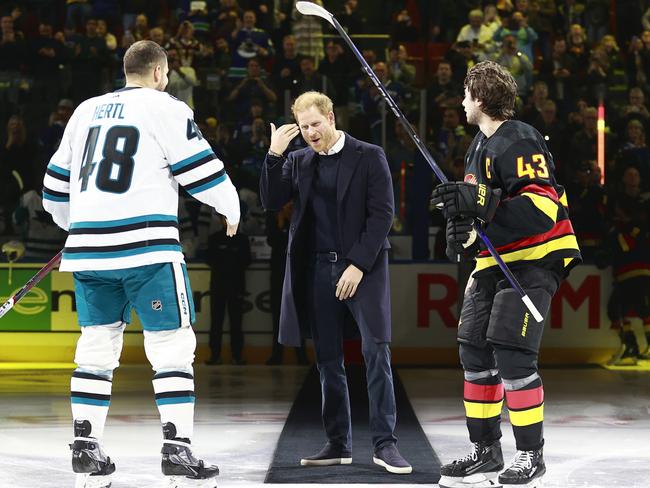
column 597, row 425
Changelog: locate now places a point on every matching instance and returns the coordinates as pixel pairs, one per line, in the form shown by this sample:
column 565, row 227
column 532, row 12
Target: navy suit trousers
column 327, row 317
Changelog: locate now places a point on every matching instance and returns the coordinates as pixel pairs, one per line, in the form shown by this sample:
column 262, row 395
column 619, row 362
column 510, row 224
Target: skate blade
column 536, row 483
column 85, row 480
column 183, row 482
column 479, row 480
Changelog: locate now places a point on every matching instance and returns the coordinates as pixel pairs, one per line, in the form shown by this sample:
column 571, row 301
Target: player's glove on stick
column 459, row 199
column 462, row 242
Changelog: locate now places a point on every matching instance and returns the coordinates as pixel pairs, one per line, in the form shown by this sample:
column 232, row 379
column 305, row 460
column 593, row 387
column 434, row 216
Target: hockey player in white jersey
column 113, row 184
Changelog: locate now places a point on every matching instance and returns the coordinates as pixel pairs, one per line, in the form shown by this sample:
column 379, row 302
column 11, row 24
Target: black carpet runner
column 303, row 435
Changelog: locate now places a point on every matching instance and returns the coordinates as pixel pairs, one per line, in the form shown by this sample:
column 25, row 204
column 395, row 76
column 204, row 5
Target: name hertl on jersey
column 113, row 182
column 531, row 224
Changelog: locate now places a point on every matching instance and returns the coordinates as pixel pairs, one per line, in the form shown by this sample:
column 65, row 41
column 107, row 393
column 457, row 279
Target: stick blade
column 309, row 8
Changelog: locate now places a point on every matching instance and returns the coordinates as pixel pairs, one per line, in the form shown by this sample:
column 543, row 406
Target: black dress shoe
column 214, row 361
column 389, row 457
column 329, row 455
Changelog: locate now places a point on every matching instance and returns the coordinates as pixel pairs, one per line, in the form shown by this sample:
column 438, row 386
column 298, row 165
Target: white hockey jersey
column 113, row 182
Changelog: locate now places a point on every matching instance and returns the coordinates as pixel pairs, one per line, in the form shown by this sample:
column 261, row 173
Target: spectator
column 558, row 72
column 516, row 62
column 50, row 136
column 542, row 16
column 245, row 125
column 402, row 28
column 401, row 71
column 310, row 80
column 140, row 27
column 252, row 87
column 88, row 64
column 337, row 71
column 254, row 150
column 524, row 35
column 228, row 16
column 249, row 42
column 584, row 144
column 635, row 108
column 286, row 67
column 47, row 55
column 198, row 16
column 443, row 92
column 578, row 50
column 554, row 132
column 461, row 56
column 77, row 13
column 228, row 259
column 308, row 31
column 350, row 17
column 374, row 105
column 20, row 156
column 182, row 79
column 634, row 151
column 12, row 58
column 596, row 18
column 638, row 61
column 188, row 47
column 476, row 31
column 533, row 109
column 157, row 35
column 102, row 31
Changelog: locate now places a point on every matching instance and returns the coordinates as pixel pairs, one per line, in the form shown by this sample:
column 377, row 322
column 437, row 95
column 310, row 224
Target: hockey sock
column 525, row 399
column 175, row 400
column 483, row 398
column 90, row 397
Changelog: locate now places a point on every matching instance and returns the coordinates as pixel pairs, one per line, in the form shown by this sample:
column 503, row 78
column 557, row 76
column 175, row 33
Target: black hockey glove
column 458, row 199
column 462, row 240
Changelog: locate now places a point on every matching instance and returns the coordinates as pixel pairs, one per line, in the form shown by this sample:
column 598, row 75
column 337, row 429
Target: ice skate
column 526, row 471
column 479, row 469
column 180, row 467
column 92, row 465
column 628, row 352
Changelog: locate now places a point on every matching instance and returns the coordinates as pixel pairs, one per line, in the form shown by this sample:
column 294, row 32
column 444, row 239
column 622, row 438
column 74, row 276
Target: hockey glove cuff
column 462, row 240
column 459, row 199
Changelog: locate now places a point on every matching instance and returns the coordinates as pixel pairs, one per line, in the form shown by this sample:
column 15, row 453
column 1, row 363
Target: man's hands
column 282, row 136
column 231, row 229
column 347, row 285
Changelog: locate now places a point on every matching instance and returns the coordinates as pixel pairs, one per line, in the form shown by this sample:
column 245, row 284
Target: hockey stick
column 309, row 8
column 9, row 304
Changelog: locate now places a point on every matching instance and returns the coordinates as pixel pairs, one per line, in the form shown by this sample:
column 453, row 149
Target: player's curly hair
column 141, row 57
column 492, row 85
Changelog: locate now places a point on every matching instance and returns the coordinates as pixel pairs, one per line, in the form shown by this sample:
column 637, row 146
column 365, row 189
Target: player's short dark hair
column 142, row 57
column 492, row 85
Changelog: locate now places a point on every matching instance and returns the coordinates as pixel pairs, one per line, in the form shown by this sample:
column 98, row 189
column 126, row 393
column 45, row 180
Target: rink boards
column 43, row 326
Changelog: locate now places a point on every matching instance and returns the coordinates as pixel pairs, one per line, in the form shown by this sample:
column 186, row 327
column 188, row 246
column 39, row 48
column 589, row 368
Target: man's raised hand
column 282, row 136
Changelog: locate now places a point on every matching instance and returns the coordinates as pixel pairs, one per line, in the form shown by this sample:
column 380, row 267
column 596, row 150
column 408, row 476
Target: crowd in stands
column 240, row 63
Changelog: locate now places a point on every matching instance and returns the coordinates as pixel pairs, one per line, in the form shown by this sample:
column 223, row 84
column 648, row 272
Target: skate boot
column 628, row 352
column 92, row 465
column 180, row 466
column 479, row 469
column 526, row 471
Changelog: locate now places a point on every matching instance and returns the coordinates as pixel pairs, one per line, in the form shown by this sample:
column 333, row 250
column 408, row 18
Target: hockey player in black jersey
column 510, row 190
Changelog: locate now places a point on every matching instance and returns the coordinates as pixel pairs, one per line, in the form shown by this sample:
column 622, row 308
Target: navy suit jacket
column 365, row 211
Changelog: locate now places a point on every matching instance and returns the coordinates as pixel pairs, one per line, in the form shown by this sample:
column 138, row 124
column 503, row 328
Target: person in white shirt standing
column 113, row 184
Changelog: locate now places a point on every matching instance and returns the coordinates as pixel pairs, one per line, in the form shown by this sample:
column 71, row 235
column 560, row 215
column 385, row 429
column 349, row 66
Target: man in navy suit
column 337, row 258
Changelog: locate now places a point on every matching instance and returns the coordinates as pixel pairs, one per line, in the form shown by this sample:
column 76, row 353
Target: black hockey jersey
column 531, row 224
